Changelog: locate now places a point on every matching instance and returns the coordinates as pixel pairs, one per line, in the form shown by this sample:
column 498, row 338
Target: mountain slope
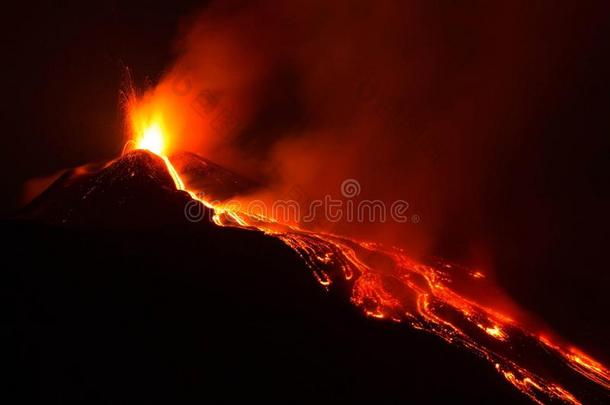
column 157, row 308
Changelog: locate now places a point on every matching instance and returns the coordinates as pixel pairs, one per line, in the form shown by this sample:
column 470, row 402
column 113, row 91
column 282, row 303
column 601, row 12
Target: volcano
column 113, row 293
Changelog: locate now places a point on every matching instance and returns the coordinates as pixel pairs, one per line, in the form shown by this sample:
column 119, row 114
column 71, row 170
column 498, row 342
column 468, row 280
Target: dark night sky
column 61, row 76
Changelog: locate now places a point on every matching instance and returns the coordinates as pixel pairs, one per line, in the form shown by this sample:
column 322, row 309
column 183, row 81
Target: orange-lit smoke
column 416, row 101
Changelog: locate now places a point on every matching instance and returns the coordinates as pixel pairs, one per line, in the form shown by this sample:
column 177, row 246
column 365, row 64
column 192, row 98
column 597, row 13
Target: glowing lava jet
column 422, row 296
column 152, row 140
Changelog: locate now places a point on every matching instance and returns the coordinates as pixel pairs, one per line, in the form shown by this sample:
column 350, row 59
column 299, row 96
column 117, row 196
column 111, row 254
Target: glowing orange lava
column 420, row 295
column 152, row 139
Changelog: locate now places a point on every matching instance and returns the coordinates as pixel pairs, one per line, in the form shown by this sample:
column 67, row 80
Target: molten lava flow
column 387, row 284
column 425, row 297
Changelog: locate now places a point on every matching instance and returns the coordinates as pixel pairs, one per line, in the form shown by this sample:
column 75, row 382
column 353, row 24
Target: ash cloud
column 417, row 101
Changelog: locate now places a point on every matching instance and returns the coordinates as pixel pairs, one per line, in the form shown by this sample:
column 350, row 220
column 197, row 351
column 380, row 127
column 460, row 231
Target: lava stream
column 408, row 292
column 420, row 295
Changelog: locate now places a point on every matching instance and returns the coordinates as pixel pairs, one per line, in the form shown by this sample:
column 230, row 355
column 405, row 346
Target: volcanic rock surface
column 209, row 179
column 134, row 190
